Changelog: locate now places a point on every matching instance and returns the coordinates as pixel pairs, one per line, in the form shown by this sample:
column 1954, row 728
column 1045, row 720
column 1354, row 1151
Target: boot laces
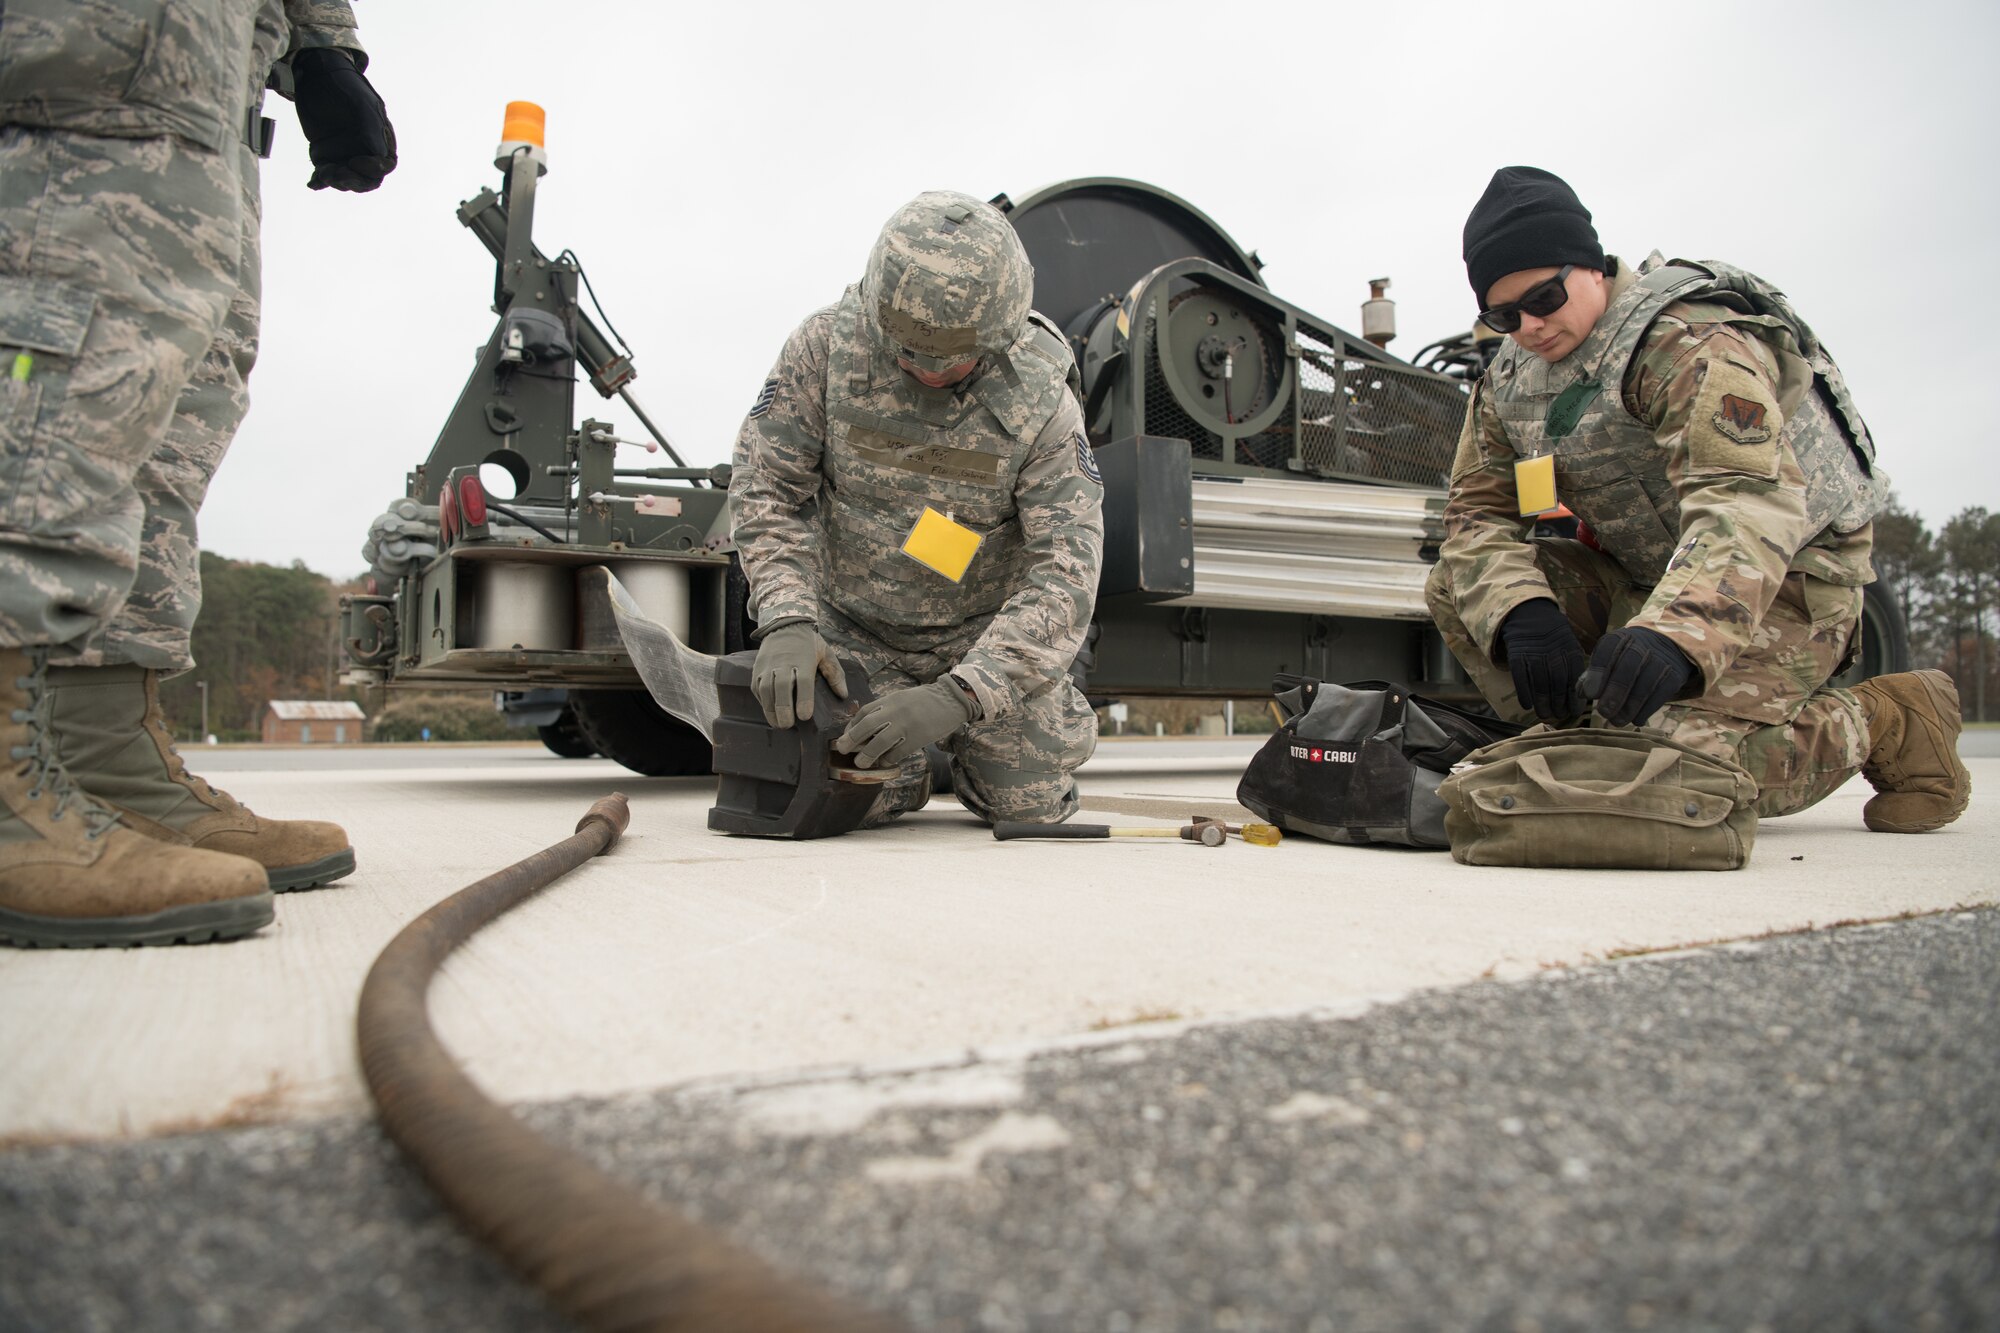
column 38, row 757
column 187, row 775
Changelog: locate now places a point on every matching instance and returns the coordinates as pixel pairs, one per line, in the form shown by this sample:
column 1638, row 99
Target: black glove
column 1634, row 673
column 782, row 676
column 1546, row 659
column 891, row 729
column 353, row 144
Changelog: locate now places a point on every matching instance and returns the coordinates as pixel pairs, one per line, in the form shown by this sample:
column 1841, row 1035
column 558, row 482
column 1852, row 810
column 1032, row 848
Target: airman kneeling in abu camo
column 913, row 488
column 1726, row 488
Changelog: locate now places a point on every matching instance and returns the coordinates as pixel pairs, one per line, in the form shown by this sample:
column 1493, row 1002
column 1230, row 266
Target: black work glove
column 1634, row 673
column 891, row 729
column 782, row 676
column 1546, row 659
column 353, row 144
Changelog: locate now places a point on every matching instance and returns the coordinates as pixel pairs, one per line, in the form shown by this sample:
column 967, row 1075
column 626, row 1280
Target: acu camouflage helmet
column 947, row 281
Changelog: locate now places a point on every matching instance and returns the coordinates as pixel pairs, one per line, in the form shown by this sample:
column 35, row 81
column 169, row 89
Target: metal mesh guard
column 1400, row 423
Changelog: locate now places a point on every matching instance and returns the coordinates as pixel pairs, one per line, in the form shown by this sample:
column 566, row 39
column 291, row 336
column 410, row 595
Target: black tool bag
column 1361, row 763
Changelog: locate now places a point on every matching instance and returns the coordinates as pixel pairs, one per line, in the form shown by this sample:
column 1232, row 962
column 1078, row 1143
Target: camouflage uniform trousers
column 123, row 278
column 1018, row 766
column 1772, row 711
column 154, row 625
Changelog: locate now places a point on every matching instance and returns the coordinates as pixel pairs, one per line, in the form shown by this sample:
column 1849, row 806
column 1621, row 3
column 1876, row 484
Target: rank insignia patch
column 1742, row 420
column 1086, row 459
column 764, row 397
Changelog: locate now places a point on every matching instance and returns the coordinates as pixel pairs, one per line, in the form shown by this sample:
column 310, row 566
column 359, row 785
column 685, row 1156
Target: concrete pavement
column 686, row 956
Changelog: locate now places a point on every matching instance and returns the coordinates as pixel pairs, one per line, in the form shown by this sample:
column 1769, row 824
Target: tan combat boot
column 1913, row 727
column 112, row 738
column 72, row 875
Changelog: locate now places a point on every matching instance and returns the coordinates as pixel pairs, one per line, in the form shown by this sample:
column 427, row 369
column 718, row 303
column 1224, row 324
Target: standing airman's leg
column 118, row 260
column 153, row 626
column 106, row 718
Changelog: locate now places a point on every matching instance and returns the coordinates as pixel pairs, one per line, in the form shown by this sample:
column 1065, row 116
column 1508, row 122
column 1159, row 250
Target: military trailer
column 1274, row 487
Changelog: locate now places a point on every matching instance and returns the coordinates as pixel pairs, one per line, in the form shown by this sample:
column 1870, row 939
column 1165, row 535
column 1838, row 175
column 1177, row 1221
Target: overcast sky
column 722, row 172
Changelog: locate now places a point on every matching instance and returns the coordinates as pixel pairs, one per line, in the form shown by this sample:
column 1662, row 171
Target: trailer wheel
column 564, row 737
column 628, row 726
column 1885, row 638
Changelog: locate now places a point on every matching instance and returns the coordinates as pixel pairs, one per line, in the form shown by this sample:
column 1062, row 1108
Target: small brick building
column 312, row 722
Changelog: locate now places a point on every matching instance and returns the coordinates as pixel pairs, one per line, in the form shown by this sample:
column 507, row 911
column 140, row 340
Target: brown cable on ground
column 599, row 1249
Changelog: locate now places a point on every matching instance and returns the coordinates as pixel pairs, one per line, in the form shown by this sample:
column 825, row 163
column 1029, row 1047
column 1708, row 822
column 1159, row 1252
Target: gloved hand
column 1546, row 659
column 353, row 144
column 1633, row 673
column 896, row 726
column 782, row 676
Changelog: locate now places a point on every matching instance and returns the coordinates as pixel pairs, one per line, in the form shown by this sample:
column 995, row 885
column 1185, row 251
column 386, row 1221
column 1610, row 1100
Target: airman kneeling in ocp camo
column 1726, row 487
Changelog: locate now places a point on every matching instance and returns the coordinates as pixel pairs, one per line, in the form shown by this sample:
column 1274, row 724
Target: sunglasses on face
column 1541, row 300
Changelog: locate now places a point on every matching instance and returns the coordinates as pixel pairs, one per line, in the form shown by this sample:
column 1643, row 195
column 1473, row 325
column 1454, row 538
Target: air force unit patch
column 764, row 397
column 1742, row 420
column 1086, row 459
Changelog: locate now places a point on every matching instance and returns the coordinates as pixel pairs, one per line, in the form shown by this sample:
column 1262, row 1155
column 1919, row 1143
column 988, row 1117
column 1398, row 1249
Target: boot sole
column 287, row 879
column 195, row 923
column 1876, row 824
column 1927, row 826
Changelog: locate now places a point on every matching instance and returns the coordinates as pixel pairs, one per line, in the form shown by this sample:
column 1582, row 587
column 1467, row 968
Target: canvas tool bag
column 1361, row 763
column 1599, row 798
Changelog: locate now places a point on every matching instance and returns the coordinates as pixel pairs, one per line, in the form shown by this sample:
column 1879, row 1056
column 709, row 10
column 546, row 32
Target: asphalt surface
column 1802, row 1133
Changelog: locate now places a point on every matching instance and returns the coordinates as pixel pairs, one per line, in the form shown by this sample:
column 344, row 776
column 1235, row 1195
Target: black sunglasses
column 1541, row 300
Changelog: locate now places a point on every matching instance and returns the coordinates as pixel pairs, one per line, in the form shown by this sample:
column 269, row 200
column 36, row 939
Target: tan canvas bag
column 1599, row 798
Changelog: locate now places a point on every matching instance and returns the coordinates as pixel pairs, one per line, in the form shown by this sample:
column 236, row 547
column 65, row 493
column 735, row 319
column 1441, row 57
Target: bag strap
column 1536, row 767
column 1394, row 700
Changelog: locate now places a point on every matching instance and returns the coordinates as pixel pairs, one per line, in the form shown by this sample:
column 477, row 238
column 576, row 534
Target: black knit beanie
column 1528, row 218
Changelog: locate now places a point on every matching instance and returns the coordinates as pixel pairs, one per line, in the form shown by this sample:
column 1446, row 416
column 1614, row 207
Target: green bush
column 451, row 715
column 1183, row 717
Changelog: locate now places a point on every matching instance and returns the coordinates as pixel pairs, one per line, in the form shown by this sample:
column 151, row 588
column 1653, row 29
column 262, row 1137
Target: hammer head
column 1207, row 831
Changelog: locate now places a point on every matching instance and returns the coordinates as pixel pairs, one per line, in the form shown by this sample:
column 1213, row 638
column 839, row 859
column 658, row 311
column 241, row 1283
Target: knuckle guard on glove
column 1545, row 658
column 896, row 726
column 1634, row 673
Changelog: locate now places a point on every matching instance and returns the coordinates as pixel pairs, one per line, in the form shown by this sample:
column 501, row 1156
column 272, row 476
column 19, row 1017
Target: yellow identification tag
column 1535, row 484
column 938, row 543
